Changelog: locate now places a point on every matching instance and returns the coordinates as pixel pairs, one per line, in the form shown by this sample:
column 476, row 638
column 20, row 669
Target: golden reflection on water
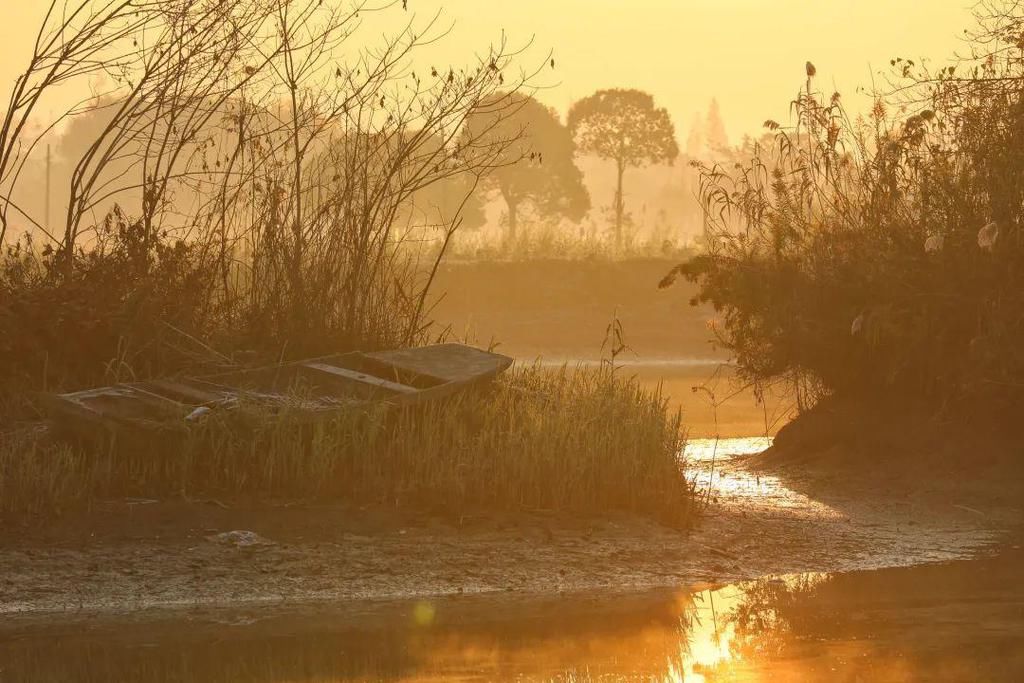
column 896, row 626
column 697, row 637
column 706, row 450
column 717, row 629
column 957, row 622
column 713, row 635
column 709, row 466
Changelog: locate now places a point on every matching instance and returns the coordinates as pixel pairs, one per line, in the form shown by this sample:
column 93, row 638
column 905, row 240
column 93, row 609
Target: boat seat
column 361, row 377
column 189, row 392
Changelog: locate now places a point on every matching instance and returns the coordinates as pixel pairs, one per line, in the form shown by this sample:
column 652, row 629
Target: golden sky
column 749, row 54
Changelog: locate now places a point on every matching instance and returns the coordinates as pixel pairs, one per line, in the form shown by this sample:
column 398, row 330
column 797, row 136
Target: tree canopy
column 538, row 169
column 626, row 127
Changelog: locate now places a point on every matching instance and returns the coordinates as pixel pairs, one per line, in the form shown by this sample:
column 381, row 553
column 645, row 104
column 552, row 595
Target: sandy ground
column 142, row 555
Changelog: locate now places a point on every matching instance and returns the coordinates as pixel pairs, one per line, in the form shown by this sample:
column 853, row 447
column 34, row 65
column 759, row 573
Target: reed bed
column 571, row 440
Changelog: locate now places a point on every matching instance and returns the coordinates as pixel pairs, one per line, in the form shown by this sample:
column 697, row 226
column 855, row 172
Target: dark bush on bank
column 861, row 256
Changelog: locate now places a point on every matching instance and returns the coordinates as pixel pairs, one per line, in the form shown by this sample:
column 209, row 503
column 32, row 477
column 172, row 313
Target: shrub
column 855, row 255
column 132, row 287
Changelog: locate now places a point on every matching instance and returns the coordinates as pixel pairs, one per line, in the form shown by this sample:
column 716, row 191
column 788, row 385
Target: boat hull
column 302, row 391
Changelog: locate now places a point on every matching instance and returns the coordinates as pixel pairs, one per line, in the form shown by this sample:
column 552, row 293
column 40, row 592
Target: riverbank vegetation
column 239, row 196
column 236, row 184
column 879, row 257
column 570, row 440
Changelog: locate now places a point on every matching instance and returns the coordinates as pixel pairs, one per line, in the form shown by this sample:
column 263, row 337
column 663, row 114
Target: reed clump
column 583, row 440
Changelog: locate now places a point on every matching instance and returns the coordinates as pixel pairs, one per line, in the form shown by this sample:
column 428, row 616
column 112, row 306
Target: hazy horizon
column 749, row 55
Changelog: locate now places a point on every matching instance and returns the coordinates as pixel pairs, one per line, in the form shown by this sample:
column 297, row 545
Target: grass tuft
column 583, row 440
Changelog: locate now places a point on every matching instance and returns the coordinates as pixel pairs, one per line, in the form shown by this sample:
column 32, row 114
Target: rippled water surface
column 708, row 466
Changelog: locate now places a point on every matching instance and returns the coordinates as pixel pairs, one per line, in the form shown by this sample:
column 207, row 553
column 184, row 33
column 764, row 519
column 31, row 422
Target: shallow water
column 954, row 622
column 708, row 468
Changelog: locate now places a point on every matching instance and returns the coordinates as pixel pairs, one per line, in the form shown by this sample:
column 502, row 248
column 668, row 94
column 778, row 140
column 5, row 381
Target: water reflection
column 956, row 622
column 709, row 468
column 722, row 450
column 725, row 627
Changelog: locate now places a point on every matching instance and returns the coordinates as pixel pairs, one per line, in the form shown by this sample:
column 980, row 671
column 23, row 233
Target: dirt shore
column 154, row 556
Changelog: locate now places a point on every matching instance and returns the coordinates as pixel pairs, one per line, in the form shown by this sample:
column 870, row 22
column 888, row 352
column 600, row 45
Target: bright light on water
column 698, row 450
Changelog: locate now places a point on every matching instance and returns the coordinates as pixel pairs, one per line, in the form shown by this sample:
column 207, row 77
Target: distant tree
column 714, row 129
column 538, row 170
column 623, row 126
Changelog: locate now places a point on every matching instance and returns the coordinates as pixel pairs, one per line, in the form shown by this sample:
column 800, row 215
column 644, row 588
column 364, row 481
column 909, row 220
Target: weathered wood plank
column 445, row 362
column 186, row 391
column 362, row 377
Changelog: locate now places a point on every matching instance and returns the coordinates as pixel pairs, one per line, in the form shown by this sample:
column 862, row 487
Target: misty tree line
column 541, row 178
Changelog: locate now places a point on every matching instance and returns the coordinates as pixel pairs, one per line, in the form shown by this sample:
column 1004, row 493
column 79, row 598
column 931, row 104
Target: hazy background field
column 558, row 311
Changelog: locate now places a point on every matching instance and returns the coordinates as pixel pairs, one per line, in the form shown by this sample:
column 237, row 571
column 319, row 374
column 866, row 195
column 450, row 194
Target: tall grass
column 579, row 440
column 266, row 187
column 563, row 241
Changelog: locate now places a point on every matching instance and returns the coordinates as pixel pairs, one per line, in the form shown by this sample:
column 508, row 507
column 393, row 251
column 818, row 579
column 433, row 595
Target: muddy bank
column 971, row 451
column 142, row 555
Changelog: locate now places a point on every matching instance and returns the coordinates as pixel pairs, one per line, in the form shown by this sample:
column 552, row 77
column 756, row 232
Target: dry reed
column 579, row 440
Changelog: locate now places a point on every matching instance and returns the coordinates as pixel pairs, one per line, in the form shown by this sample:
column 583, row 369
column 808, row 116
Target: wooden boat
column 303, row 391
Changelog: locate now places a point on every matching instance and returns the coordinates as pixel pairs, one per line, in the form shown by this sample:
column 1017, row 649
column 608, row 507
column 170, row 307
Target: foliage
column 266, row 192
column 132, row 287
column 623, row 126
column 539, row 169
column 883, row 255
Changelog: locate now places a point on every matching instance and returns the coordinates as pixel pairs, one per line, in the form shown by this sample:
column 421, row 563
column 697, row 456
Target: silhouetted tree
column 539, row 169
column 450, row 198
column 623, row 126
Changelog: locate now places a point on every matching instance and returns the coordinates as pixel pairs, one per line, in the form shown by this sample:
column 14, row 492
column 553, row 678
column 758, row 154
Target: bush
column 132, row 286
column 884, row 255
